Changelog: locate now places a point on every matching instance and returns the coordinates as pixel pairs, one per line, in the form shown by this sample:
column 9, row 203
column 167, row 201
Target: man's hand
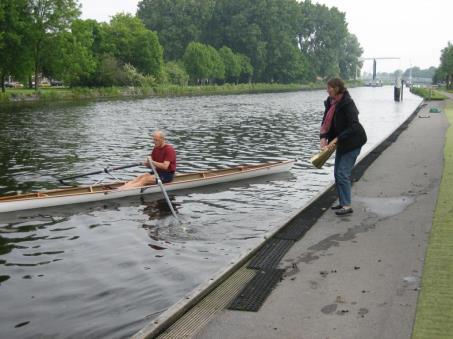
column 323, row 143
column 147, row 162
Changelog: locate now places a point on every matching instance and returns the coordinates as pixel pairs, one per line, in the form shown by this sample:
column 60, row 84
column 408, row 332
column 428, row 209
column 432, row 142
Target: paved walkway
column 358, row 276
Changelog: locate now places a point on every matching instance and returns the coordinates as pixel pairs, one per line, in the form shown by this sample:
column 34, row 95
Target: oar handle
column 105, row 170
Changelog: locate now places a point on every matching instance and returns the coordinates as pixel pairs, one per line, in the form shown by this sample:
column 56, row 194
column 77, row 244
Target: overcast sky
column 413, row 30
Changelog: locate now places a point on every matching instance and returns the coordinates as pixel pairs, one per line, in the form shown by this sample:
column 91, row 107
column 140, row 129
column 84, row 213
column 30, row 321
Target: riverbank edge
column 46, row 95
column 167, row 318
column 434, row 308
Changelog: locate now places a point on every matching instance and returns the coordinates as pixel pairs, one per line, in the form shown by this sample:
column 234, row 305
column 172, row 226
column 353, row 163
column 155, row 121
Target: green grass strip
column 434, row 317
column 428, row 93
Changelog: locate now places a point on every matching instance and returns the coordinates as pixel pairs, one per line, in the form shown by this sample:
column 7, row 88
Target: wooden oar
column 105, row 170
column 162, row 188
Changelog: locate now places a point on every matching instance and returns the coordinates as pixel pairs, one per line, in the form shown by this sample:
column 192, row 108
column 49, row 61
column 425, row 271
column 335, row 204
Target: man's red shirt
column 166, row 153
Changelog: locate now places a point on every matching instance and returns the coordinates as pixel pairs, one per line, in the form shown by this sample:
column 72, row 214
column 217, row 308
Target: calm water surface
column 106, row 269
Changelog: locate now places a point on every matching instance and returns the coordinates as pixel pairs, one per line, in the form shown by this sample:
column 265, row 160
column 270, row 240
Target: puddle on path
column 386, row 206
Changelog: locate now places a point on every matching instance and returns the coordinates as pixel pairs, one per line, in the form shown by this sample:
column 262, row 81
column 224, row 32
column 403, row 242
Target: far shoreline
column 18, row 97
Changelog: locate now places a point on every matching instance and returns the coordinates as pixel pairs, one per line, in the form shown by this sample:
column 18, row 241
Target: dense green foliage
column 14, row 40
column 201, row 41
column 445, row 71
column 177, row 22
column 285, row 41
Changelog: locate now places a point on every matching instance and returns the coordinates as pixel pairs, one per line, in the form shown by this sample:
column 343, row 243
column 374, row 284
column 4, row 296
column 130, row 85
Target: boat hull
column 42, row 200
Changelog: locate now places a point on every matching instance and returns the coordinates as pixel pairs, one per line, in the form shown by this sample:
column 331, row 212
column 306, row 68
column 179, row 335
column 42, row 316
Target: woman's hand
column 333, row 143
column 323, row 143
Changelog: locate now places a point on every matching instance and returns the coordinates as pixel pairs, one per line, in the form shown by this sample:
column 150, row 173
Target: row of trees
column 445, row 70
column 285, row 40
column 417, row 72
column 47, row 37
column 204, row 62
column 174, row 41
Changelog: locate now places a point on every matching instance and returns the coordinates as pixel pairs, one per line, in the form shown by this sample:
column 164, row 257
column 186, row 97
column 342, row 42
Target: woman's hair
column 337, row 84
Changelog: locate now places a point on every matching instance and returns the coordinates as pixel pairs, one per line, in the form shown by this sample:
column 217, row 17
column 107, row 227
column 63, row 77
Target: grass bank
column 85, row 93
column 428, row 93
column 435, row 305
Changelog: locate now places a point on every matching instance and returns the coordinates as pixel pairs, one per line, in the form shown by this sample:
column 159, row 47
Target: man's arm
column 162, row 165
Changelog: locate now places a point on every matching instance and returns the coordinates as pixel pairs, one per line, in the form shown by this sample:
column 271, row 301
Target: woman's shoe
column 344, row 211
column 336, row 207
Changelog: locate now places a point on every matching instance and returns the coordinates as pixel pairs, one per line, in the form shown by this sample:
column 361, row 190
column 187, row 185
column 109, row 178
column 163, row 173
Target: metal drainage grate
column 256, row 291
column 197, row 317
column 270, row 254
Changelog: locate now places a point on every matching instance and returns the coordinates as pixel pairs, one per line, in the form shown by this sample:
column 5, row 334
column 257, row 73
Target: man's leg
column 143, row 180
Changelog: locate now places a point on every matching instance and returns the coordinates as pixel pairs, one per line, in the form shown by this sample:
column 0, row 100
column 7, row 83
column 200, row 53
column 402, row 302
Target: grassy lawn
column 434, row 317
column 428, row 94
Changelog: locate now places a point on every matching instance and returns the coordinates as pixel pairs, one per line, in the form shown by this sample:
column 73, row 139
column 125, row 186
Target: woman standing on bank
column 341, row 127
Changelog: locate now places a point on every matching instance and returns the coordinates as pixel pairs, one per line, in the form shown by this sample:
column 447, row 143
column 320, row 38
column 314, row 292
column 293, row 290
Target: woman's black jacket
column 345, row 125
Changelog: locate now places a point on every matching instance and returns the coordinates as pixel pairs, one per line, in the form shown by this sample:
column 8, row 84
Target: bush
column 175, row 74
column 135, row 78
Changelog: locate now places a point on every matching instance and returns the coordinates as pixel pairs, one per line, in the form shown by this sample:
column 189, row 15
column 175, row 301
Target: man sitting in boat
column 163, row 157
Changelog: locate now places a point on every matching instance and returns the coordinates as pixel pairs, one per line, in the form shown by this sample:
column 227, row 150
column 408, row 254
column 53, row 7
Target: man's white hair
column 159, row 134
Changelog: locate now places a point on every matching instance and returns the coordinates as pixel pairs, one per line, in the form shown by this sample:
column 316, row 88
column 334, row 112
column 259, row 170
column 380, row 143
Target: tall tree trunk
column 37, row 48
column 36, row 75
column 3, row 82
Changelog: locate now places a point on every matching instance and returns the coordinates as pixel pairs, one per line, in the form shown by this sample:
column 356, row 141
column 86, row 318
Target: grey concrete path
column 358, row 276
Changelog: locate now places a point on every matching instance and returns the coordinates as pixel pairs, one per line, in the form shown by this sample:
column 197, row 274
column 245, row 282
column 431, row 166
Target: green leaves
column 134, row 44
column 14, row 39
column 233, row 41
column 177, row 22
column 285, row 41
column 202, row 62
column 446, row 65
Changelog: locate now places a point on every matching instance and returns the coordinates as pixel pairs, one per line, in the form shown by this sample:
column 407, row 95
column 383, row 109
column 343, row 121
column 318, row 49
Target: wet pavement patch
column 328, row 309
column 256, row 291
column 270, row 254
column 386, row 206
column 362, row 312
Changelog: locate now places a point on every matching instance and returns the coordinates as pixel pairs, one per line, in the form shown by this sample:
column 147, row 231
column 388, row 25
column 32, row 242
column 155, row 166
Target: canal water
column 106, row 269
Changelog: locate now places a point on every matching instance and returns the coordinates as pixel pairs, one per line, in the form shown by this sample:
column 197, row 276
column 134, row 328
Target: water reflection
column 70, row 270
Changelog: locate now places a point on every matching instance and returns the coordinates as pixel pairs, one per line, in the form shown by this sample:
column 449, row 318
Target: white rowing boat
column 83, row 194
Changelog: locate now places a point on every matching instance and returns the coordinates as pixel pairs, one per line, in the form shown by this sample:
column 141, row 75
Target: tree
column 446, row 65
column 322, row 36
column 177, row 22
column 135, row 44
column 197, row 61
column 14, row 21
column 203, row 62
column 264, row 30
column 349, row 57
column 48, row 18
column 216, row 65
column 70, row 56
column 232, row 64
column 246, row 68
column 175, row 73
